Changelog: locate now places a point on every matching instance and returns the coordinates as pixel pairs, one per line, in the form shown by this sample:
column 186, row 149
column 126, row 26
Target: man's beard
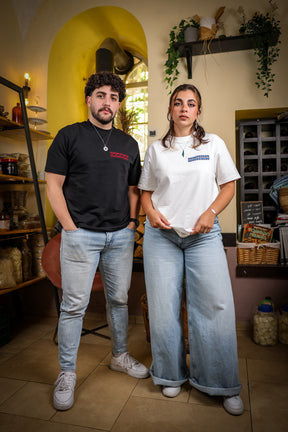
column 100, row 119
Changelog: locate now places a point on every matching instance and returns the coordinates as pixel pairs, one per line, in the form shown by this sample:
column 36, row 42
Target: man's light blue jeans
column 210, row 309
column 81, row 252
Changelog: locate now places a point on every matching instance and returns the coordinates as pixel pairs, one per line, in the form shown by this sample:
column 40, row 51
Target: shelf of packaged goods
column 22, row 285
column 4, row 178
column 16, row 131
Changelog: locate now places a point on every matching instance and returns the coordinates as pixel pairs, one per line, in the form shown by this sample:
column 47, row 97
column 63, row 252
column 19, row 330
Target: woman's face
column 184, row 109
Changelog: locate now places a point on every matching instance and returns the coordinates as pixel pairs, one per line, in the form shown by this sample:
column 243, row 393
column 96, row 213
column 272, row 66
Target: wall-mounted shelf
column 16, row 131
column 220, row 45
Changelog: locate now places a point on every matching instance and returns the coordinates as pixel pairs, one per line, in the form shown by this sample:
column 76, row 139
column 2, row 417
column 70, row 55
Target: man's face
column 103, row 105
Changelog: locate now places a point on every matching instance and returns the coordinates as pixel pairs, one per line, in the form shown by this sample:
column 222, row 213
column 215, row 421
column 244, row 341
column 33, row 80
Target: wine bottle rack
column 262, row 158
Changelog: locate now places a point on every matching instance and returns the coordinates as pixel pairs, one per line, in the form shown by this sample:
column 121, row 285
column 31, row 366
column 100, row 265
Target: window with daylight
column 134, row 110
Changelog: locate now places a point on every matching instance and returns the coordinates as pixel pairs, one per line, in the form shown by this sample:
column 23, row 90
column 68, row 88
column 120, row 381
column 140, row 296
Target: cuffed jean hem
column 216, row 391
column 167, row 383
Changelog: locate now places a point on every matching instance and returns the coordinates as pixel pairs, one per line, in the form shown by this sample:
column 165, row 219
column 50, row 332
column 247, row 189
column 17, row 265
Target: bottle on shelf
column 5, row 218
column 267, row 167
column 249, row 168
column 250, row 185
column 17, row 114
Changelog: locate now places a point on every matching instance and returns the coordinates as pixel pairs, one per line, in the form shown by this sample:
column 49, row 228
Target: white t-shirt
column 185, row 180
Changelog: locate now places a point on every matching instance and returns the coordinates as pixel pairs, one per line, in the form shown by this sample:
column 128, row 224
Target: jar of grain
column 283, row 323
column 265, row 328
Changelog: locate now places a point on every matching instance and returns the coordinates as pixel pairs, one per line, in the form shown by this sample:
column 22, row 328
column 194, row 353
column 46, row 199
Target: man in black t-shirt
column 92, row 175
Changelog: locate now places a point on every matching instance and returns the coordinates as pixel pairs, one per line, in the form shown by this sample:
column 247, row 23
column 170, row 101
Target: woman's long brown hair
column 199, row 131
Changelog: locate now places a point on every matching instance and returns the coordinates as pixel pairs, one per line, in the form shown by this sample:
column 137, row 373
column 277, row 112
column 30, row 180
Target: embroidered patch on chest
column 119, row 155
column 198, row 158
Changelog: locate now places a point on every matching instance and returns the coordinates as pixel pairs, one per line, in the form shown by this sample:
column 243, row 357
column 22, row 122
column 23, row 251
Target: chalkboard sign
column 251, row 212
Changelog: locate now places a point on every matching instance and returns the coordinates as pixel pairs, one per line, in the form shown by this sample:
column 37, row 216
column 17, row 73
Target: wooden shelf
column 16, row 131
column 19, row 231
column 8, row 178
column 262, row 271
column 22, row 285
column 214, row 46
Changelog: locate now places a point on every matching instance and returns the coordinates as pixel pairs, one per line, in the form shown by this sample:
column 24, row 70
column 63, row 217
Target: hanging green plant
column 266, row 31
column 177, row 35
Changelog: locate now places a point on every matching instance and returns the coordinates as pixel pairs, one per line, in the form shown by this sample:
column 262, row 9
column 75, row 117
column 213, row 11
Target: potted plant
column 173, row 54
column 125, row 119
column 266, row 32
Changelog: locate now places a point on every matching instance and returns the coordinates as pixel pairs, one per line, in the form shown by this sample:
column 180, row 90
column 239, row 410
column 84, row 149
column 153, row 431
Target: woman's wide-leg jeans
column 210, row 309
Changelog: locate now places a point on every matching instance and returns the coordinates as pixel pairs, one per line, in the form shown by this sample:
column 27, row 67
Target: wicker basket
column 262, row 253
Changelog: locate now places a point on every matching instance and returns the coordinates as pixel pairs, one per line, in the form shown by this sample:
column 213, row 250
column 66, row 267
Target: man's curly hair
column 101, row 79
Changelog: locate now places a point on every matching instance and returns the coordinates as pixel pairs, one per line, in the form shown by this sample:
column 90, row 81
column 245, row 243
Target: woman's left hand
column 205, row 223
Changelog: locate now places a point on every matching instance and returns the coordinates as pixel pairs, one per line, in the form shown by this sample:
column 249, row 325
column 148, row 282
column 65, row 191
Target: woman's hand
column 157, row 220
column 205, row 222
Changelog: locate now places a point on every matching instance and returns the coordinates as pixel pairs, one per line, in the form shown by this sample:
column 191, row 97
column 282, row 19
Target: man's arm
column 134, row 200
column 57, row 200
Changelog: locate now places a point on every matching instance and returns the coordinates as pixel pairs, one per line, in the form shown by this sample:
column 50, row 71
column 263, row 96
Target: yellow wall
column 32, row 30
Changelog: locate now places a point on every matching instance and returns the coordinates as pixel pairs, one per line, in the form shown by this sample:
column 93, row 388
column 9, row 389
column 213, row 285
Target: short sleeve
column 147, row 180
column 57, row 158
column 225, row 168
column 135, row 169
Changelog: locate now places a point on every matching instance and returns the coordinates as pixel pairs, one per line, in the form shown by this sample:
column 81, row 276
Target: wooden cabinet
column 11, row 238
column 262, row 158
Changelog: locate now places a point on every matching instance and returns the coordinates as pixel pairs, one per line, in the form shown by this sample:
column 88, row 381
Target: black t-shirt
column 96, row 184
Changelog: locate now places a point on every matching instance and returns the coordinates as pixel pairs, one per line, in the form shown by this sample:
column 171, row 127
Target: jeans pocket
column 71, row 231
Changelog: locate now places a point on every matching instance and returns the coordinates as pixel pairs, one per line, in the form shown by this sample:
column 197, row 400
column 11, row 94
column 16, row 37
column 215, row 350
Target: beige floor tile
column 5, row 356
column 269, row 408
column 268, row 371
column 247, row 348
column 8, row 387
column 146, row 415
column 12, row 423
column 39, row 362
column 31, row 400
column 99, row 400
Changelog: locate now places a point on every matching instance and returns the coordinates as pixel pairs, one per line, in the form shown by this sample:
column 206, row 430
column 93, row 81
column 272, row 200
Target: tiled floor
column 111, row 401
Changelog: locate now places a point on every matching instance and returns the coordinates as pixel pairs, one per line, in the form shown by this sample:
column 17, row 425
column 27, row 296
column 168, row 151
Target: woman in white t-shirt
column 188, row 178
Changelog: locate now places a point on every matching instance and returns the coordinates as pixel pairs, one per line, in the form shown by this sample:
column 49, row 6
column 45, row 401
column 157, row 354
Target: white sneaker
column 64, row 391
column 233, row 405
column 128, row 364
column 171, row 391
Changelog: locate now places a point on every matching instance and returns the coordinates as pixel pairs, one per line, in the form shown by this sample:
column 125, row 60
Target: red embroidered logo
column 119, row 155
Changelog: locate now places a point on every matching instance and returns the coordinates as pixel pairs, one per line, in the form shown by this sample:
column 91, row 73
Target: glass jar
column 9, row 166
column 1, row 165
column 4, row 219
column 265, row 325
column 283, row 324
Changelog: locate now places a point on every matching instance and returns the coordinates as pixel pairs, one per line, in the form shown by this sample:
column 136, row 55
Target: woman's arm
column 156, row 219
column 206, row 220
column 57, row 200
